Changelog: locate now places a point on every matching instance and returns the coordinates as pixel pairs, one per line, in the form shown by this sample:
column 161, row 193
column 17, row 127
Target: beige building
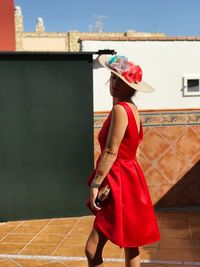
column 62, row 41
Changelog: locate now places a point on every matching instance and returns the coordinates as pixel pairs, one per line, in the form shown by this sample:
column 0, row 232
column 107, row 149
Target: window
column 191, row 85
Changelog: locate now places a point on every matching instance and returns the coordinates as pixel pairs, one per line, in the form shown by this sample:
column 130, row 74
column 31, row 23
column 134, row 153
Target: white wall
column 164, row 63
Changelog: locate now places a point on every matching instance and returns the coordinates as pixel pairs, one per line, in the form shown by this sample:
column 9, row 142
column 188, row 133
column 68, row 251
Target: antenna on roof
column 99, row 22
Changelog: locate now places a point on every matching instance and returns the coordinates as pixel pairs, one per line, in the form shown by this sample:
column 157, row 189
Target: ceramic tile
column 196, row 128
column 48, row 238
column 193, row 224
column 196, row 255
column 8, row 263
column 2, row 236
column 176, row 243
column 81, row 229
column 64, row 221
column 195, row 231
column 38, row 249
column 170, row 134
column 76, row 251
column 75, row 263
column 6, row 248
column 195, row 159
column 158, row 265
column 173, row 119
column 192, row 139
column 75, row 240
column 6, row 228
column 30, row 263
column 162, row 190
column 13, row 223
column 193, row 117
column 114, row 264
column 18, row 238
column 144, row 163
column 196, row 244
column 84, row 223
column 42, row 222
column 194, row 217
column 53, row 264
column 165, row 265
column 175, row 216
column 174, row 225
column 153, row 189
column 173, row 165
column 57, row 229
column 175, row 233
column 151, row 119
column 99, row 119
column 34, row 229
column 153, row 146
column 159, row 214
column 88, row 218
column 175, row 254
column 155, row 177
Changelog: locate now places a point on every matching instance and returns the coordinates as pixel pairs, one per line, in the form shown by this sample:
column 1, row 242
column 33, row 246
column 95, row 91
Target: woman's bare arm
column 119, row 122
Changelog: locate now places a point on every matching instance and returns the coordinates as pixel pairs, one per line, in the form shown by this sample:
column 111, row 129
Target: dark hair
column 133, row 92
column 123, row 89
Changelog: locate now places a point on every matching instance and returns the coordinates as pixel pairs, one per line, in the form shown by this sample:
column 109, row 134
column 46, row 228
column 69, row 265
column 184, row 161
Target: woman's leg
column 132, row 257
column 94, row 247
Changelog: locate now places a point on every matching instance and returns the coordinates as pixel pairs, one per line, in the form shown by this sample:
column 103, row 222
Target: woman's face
column 119, row 88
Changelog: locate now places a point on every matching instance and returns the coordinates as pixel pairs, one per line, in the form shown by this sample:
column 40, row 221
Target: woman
column 126, row 217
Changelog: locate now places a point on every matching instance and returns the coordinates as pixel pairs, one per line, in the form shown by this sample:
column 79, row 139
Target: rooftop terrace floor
column 59, row 242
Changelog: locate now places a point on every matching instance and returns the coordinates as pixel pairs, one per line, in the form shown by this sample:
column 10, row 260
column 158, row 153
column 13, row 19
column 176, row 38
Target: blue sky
column 172, row 17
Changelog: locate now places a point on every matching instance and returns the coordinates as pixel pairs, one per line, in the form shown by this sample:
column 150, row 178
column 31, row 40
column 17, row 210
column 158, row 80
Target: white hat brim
column 140, row 86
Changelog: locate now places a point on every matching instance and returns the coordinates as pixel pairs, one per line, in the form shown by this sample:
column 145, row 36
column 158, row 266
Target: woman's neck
column 117, row 100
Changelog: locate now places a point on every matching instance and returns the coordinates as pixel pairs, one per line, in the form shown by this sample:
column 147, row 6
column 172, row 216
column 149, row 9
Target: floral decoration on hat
column 120, row 64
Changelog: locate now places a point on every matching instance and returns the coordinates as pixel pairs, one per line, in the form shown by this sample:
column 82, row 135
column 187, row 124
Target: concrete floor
column 60, row 242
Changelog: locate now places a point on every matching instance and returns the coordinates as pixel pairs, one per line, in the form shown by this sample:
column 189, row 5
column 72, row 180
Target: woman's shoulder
column 118, row 109
column 119, row 113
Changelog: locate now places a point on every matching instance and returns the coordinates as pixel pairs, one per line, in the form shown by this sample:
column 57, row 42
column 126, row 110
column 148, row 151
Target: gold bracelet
column 94, row 184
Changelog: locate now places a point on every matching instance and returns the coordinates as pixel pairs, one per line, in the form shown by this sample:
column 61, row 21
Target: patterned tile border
column 170, row 118
column 99, row 119
column 163, row 118
column 63, row 258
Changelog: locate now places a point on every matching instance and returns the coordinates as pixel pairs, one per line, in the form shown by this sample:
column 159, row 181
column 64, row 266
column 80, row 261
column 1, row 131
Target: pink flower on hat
column 131, row 72
column 134, row 73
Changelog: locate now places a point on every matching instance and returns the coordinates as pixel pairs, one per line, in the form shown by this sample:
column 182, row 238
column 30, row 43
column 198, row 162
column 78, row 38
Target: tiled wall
column 169, row 155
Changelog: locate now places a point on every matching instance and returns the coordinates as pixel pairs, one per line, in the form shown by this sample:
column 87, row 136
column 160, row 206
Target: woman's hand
column 93, row 195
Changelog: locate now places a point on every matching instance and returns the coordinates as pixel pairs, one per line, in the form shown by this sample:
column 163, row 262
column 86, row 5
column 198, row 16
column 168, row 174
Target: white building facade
column 171, row 66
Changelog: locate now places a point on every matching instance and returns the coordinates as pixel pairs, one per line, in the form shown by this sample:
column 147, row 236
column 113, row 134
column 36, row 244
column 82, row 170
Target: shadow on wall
column 185, row 193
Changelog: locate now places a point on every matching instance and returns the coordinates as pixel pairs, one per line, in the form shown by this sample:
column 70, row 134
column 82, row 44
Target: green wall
column 46, row 134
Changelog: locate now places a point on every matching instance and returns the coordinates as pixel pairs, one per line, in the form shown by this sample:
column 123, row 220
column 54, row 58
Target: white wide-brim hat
column 139, row 86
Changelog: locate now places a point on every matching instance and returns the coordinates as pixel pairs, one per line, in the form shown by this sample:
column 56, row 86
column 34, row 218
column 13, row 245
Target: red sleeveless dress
column 127, row 216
